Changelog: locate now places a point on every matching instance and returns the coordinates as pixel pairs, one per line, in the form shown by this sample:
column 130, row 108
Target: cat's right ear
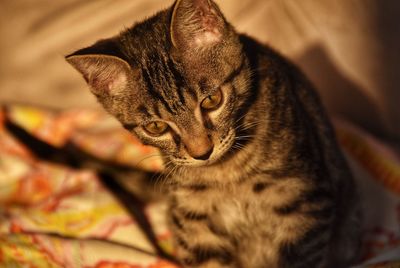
column 196, row 24
column 106, row 75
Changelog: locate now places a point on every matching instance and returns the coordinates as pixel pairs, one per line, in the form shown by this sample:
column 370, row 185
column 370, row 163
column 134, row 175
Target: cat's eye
column 212, row 102
column 156, row 128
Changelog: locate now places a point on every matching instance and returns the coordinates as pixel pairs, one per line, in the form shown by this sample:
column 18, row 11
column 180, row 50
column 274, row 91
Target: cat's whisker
column 238, row 144
column 240, row 118
column 247, row 125
column 244, row 137
column 146, row 158
column 250, row 123
column 237, row 147
column 161, row 176
column 171, row 172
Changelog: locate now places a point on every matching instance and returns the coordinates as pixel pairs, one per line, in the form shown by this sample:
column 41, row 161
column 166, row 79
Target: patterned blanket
column 54, row 214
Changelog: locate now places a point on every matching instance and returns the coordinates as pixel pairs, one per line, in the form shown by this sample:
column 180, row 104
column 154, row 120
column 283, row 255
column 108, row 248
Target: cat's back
column 273, row 73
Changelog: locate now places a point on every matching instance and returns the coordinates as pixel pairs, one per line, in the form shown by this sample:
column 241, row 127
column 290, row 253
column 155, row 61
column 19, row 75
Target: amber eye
column 212, row 101
column 156, row 128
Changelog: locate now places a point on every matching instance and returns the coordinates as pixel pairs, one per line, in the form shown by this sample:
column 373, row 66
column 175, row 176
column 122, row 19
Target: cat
column 254, row 173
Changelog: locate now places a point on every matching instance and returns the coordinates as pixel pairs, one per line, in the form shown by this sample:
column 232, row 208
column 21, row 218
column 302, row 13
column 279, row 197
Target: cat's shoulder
column 264, row 56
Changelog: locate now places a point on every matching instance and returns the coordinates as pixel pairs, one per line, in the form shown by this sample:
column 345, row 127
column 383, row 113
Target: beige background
column 349, row 48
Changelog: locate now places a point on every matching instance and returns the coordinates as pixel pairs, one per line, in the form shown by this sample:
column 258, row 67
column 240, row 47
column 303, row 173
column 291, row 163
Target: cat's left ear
column 103, row 67
column 106, row 75
column 196, row 24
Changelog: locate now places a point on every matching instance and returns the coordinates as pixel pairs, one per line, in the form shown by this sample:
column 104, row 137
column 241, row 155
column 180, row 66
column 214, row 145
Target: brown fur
column 257, row 182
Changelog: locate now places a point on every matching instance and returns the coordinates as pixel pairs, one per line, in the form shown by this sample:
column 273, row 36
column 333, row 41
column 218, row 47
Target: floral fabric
column 52, row 215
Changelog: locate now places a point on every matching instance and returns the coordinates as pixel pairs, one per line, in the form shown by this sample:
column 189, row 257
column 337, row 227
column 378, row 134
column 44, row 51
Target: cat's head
column 176, row 80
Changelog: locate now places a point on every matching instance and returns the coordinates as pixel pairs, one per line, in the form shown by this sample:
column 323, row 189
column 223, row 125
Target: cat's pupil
column 156, row 128
column 212, row 101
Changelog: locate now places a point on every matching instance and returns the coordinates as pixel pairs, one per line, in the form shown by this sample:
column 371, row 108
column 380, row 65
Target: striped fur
column 275, row 190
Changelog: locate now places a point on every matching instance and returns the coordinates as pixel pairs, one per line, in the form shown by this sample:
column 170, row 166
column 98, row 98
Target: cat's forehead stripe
column 152, row 91
column 142, row 109
column 177, row 78
column 164, row 81
column 156, row 110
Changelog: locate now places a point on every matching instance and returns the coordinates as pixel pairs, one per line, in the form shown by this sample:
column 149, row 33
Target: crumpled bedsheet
column 55, row 215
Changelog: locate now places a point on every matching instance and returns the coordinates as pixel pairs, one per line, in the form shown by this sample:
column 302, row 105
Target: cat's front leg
column 196, row 244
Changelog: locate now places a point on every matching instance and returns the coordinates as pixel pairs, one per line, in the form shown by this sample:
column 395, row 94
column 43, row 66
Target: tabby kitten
column 255, row 175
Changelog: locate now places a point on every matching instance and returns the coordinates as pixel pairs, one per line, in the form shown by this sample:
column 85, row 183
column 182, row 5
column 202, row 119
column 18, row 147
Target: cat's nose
column 200, row 147
column 204, row 156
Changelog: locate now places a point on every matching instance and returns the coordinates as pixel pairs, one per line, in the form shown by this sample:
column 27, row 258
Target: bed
column 54, row 213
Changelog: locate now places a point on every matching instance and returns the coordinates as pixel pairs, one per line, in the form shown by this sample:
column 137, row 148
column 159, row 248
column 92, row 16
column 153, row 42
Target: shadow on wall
column 387, row 35
column 361, row 38
column 341, row 96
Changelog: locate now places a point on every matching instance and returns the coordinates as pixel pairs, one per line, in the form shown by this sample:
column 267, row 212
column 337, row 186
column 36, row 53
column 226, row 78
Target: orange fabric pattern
column 52, row 215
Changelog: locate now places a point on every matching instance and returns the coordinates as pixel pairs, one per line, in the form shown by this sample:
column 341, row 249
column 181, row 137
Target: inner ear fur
column 196, row 24
column 105, row 74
